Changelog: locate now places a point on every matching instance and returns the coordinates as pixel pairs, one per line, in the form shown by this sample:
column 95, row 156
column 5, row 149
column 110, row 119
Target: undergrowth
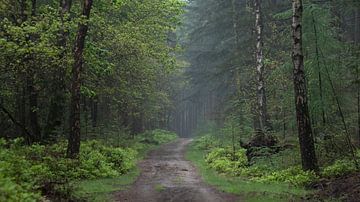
column 227, row 166
column 27, row 173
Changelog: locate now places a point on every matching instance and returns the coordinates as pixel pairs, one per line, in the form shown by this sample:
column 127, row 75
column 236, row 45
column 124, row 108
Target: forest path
column 167, row 176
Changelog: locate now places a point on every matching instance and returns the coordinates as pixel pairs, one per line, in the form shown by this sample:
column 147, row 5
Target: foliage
column 264, row 170
column 339, row 168
column 265, row 157
column 37, row 167
column 253, row 191
column 224, row 160
column 293, row 175
column 206, row 142
column 13, row 192
column 157, row 137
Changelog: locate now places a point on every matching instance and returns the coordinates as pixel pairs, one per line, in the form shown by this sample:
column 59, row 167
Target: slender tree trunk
column 33, row 106
column 358, row 102
column 357, row 40
column 307, row 148
column 32, row 91
column 74, row 137
column 319, row 72
column 94, row 111
column 57, row 100
column 23, row 7
column 33, row 7
column 264, row 123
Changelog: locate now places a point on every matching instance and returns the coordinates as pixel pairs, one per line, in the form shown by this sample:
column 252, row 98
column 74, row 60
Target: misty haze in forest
column 179, row 100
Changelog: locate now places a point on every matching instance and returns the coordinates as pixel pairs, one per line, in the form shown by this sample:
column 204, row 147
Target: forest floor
column 167, row 176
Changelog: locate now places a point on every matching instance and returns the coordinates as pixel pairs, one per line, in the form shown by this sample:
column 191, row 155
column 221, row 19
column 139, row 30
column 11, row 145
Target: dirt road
column 167, row 176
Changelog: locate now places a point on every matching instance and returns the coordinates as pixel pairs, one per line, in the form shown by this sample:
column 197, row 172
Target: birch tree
column 307, row 148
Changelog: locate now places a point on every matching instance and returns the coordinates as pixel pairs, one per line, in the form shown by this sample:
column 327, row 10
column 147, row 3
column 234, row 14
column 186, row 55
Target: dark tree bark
column 31, row 89
column 261, row 110
column 307, row 148
column 33, row 106
column 74, row 137
column 23, row 8
column 357, row 41
column 358, row 102
column 57, row 100
column 33, row 7
column 319, row 72
column 94, row 111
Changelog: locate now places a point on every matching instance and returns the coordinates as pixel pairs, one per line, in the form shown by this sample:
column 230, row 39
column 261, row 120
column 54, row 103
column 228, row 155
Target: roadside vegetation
column 30, row 173
column 266, row 174
column 271, row 90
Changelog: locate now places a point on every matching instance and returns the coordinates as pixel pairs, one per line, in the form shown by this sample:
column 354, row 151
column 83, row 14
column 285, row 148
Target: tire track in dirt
column 167, row 177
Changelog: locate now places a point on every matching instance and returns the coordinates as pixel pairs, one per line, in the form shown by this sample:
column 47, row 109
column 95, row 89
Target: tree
column 58, row 87
column 74, row 137
column 307, row 148
column 261, row 92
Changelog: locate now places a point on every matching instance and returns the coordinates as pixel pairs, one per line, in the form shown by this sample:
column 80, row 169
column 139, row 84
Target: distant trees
column 306, row 139
column 219, row 40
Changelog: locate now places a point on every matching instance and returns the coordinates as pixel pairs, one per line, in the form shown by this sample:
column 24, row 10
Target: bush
column 162, row 136
column 339, row 168
column 206, row 142
column 122, row 159
column 253, row 171
column 26, row 170
column 224, row 160
column 293, row 175
column 12, row 192
column 264, row 158
column 156, row 137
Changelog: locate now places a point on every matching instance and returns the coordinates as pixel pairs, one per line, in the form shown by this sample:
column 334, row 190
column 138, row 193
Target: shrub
column 163, row 136
column 253, row 171
column 206, row 142
column 26, row 170
column 224, row 160
column 12, row 192
column 122, row 159
column 276, row 161
column 339, row 168
column 157, row 137
column 293, row 175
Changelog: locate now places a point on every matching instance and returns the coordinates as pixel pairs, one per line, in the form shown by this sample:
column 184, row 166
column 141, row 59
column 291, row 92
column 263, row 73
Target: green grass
column 250, row 191
column 100, row 189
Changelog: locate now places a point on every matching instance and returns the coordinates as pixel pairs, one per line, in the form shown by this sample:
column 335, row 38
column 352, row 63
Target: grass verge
column 101, row 190
column 251, row 191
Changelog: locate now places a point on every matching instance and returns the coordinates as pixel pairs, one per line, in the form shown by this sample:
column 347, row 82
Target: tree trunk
column 33, row 106
column 319, row 72
column 264, row 123
column 33, row 7
column 357, row 40
column 74, row 137
column 358, row 102
column 94, row 111
column 31, row 90
column 58, row 99
column 307, row 148
column 23, row 8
